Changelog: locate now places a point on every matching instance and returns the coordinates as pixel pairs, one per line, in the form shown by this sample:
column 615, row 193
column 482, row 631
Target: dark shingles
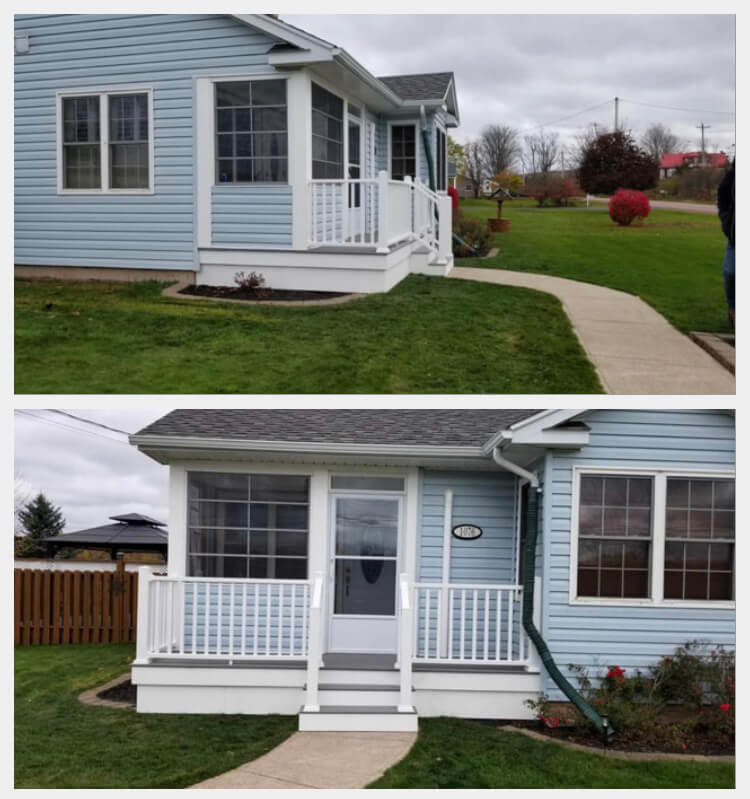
column 416, row 427
column 114, row 534
column 427, row 86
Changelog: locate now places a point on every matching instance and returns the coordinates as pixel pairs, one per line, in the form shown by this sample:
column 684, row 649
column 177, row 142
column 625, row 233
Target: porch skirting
column 162, row 688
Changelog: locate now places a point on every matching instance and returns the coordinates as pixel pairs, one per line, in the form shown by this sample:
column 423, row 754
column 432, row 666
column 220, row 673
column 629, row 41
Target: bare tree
column 579, row 144
column 499, row 148
column 659, row 139
column 541, row 152
column 474, row 170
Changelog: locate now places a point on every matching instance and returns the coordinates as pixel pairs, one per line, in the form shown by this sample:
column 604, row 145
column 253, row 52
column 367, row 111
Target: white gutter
column 504, row 463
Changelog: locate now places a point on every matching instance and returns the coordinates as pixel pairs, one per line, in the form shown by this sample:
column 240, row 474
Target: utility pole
column 617, row 114
column 703, row 128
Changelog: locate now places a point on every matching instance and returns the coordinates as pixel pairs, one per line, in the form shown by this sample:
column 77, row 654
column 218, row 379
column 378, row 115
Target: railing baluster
column 280, row 622
column 449, row 648
column 268, row 619
column 207, row 599
column 243, row 631
column 498, row 622
column 439, row 629
column 292, row 620
column 305, row 619
column 428, row 594
column 169, row 621
column 463, row 620
column 231, row 619
column 486, row 624
column 510, row 625
column 255, row 619
column 474, row 611
column 219, row 618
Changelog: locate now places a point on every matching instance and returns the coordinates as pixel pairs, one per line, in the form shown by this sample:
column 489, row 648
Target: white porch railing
column 469, row 623
column 378, row 212
column 193, row 617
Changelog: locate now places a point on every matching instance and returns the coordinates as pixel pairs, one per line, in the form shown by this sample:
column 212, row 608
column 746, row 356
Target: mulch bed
column 267, row 295
column 624, row 742
column 124, row 692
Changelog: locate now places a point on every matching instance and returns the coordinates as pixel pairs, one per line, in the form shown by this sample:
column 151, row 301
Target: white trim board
column 658, row 538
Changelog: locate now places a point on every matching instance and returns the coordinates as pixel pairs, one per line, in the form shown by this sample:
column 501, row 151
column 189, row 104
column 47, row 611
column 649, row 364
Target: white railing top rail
column 470, row 586
column 226, row 580
column 319, row 181
column 426, row 190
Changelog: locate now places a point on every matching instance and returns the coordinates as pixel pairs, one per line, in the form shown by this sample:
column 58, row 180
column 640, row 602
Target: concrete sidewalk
column 634, row 349
column 320, row 760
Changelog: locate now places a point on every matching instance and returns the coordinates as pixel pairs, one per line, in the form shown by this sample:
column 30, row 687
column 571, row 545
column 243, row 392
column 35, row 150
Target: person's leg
column 728, row 273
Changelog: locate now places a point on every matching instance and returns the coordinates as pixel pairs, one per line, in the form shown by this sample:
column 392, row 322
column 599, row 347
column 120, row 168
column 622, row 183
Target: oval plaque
column 467, row 532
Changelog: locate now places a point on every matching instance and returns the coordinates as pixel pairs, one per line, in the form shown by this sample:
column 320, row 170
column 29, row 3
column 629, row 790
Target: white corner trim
column 658, row 537
column 103, row 93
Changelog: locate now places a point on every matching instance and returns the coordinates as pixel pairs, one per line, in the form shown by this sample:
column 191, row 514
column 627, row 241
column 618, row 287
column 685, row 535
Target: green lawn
column 673, row 261
column 428, row 335
column 453, row 753
column 60, row 743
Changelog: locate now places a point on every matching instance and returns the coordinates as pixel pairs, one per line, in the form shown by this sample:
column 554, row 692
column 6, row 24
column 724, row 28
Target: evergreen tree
column 39, row 519
column 613, row 161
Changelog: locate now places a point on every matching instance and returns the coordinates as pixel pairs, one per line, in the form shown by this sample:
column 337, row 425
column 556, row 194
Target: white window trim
column 103, row 94
column 364, row 473
column 658, row 538
column 417, row 149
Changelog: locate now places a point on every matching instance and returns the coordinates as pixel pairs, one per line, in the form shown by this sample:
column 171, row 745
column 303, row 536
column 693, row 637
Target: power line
column 563, row 119
column 69, row 427
column 88, row 421
column 672, row 108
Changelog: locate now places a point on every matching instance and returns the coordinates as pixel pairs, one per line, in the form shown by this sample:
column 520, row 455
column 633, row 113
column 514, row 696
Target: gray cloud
column 90, row 473
column 528, row 70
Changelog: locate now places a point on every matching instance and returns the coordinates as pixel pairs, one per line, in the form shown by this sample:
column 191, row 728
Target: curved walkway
column 634, row 349
column 320, row 760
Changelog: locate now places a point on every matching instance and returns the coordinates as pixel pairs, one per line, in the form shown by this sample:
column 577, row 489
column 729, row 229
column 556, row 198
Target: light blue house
column 196, row 146
column 364, row 568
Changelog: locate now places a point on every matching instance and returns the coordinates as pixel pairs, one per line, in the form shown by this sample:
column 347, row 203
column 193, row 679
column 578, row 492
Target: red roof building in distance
column 673, row 161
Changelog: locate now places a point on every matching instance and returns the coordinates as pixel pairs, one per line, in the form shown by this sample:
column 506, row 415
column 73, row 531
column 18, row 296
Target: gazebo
column 131, row 532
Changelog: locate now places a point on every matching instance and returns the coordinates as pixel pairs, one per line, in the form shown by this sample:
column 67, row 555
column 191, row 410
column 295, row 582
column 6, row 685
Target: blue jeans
column 728, row 273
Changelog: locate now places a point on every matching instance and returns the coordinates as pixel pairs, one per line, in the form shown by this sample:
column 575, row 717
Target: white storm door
column 363, row 570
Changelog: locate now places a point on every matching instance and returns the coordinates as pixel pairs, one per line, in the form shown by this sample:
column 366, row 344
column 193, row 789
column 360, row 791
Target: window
column 374, row 483
column 242, row 526
column 124, row 138
column 403, row 151
column 699, row 550
column 614, row 536
column 327, row 135
column 251, row 132
column 441, row 144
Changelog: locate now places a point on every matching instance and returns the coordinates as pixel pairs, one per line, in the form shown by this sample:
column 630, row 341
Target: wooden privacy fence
column 75, row 607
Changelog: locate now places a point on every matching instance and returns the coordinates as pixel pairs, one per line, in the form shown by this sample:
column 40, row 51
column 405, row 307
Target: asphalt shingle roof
column 134, row 530
column 427, row 86
column 417, row 427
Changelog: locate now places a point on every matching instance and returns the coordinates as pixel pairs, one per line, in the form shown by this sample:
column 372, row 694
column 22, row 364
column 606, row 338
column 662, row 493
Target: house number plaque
column 467, row 532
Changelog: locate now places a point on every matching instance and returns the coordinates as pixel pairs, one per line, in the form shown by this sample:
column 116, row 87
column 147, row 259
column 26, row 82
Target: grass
column 428, row 335
column 454, row 753
column 60, row 743
column 672, row 261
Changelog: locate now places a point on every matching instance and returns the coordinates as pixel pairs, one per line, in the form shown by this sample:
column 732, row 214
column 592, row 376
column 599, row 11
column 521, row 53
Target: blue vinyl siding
column 251, row 215
column 631, row 637
column 487, row 499
column 164, row 52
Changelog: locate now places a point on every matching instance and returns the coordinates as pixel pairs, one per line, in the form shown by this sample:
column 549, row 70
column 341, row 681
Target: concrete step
column 358, row 718
column 358, row 694
column 360, row 676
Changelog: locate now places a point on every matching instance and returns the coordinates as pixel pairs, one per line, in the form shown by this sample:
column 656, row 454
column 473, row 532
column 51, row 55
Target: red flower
column 725, row 707
column 684, row 746
column 616, row 673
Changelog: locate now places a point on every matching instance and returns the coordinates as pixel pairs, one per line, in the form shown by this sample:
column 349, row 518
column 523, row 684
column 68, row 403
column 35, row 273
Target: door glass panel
column 365, row 587
column 366, row 527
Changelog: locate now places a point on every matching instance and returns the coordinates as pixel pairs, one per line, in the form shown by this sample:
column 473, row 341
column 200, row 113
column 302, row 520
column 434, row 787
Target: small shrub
column 254, row 283
column 552, row 190
column 475, row 233
column 626, row 205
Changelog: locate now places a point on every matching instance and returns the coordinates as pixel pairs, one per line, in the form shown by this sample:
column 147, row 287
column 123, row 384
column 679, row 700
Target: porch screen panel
column 327, row 135
column 251, row 132
column 615, row 522
column 699, row 547
column 248, row 526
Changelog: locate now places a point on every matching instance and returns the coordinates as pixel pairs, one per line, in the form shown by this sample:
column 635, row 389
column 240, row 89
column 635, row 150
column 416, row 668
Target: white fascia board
column 147, row 442
column 532, row 427
column 287, row 33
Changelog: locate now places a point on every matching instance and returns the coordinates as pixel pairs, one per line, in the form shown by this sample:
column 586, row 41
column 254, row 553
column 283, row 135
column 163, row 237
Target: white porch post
column 406, row 633
column 445, row 231
column 142, row 623
column 314, row 643
column 299, row 109
column 177, row 522
column 445, row 608
column 382, row 211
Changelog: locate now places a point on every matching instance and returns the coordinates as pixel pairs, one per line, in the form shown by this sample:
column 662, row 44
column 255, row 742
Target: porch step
column 358, row 694
column 358, row 718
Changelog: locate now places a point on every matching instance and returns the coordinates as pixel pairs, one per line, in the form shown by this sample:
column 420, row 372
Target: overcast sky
column 529, row 70
column 90, row 473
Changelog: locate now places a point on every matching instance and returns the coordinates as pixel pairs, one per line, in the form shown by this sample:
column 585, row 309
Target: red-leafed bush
column 453, row 194
column 626, row 205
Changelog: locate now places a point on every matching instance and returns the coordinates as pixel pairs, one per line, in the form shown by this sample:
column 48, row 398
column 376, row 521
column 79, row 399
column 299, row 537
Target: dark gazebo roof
column 131, row 532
